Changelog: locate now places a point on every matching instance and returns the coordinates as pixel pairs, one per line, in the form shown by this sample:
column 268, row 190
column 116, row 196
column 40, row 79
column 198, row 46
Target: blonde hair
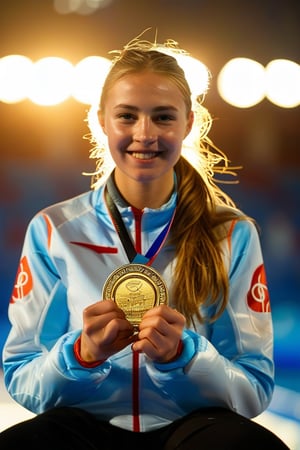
column 199, row 226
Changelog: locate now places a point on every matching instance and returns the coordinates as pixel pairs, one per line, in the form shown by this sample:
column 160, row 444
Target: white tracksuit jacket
column 69, row 251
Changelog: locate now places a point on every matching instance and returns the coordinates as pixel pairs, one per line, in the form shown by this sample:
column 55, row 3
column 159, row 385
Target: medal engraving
column 135, row 288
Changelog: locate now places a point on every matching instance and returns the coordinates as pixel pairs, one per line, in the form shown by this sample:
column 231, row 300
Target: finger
column 116, row 329
column 152, row 323
column 157, row 347
column 102, row 307
column 160, row 353
column 169, row 314
column 160, row 324
column 161, row 341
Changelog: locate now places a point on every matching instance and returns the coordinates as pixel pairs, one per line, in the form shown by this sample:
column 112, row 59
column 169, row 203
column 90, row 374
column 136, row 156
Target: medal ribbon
column 125, row 238
column 134, row 257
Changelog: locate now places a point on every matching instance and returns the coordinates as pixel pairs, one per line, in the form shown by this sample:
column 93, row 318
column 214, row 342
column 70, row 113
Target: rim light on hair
column 197, row 148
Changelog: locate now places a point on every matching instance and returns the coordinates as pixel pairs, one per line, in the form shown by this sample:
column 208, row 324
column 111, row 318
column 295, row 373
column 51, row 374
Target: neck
column 152, row 194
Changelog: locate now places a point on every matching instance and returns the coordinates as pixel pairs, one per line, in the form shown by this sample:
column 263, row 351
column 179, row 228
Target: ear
column 101, row 119
column 189, row 124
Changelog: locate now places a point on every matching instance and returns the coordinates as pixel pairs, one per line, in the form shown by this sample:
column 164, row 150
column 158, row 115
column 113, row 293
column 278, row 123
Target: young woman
column 140, row 313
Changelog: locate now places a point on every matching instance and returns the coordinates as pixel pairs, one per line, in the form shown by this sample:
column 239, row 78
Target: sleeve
column 231, row 367
column 40, row 368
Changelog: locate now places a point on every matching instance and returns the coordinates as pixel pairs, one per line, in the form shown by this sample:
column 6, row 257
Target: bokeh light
column 15, row 76
column 241, row 82
column 283, row 83
column 82, row 7
column 89, row 75
column 196, row 73
column 50, row 83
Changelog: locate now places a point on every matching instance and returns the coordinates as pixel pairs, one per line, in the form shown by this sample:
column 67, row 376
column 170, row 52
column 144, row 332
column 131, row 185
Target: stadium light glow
column 82, row 7
column 15, row 76
column 283, row 83
column 241, row 82
column 50, row 83
column 195, row 71
column 88, row 78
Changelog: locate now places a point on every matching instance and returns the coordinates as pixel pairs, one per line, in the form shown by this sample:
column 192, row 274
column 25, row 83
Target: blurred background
column 43, row 150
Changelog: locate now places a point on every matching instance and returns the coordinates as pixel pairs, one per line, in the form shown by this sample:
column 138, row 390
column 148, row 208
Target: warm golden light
column 283, row 83
column 51, row 81
column 15, row 75
column 89, row 76
column 196, row 73
column 241, row 82
column 83, row 7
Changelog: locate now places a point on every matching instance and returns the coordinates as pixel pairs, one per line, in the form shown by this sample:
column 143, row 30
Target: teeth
column 140, row 155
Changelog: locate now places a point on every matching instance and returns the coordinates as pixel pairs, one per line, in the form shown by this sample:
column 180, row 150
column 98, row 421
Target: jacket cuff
column 87, row 365
column 188, row 351
column 68, row 363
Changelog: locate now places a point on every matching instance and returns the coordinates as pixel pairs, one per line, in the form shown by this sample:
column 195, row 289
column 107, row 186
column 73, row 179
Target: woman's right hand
column 105, row 332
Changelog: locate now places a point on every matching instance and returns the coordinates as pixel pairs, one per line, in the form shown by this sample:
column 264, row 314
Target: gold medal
column 135, row 288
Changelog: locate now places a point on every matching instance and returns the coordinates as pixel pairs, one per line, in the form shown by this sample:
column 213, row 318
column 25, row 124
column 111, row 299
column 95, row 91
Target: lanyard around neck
column 126, row 240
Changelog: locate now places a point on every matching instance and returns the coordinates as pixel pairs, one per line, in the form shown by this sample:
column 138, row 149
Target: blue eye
column 165, row 118
column 126, row 116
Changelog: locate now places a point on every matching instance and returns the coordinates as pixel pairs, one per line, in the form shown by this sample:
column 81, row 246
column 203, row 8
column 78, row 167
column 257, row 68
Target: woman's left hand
column 160, row 333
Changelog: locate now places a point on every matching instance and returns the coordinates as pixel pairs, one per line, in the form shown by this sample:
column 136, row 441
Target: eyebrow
column 156, row 109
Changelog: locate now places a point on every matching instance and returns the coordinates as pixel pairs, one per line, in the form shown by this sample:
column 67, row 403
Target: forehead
column 146, row 86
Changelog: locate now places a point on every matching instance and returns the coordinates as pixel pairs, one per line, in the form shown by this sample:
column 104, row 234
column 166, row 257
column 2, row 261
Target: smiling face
column 145, row 120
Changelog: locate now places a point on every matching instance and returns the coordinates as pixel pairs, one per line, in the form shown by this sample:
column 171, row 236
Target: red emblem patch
column 23, row 283
column 258, row 297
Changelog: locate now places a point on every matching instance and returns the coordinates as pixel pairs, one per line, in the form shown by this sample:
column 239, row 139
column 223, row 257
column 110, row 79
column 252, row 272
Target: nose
column 145, row 131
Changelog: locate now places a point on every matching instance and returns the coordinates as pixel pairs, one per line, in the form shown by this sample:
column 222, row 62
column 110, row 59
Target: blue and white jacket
column 69, row 251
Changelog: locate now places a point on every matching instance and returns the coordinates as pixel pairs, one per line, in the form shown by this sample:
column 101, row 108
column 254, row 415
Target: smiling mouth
column 144, row 155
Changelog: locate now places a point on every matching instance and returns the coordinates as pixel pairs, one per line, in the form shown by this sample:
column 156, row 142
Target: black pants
column 75, row 429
